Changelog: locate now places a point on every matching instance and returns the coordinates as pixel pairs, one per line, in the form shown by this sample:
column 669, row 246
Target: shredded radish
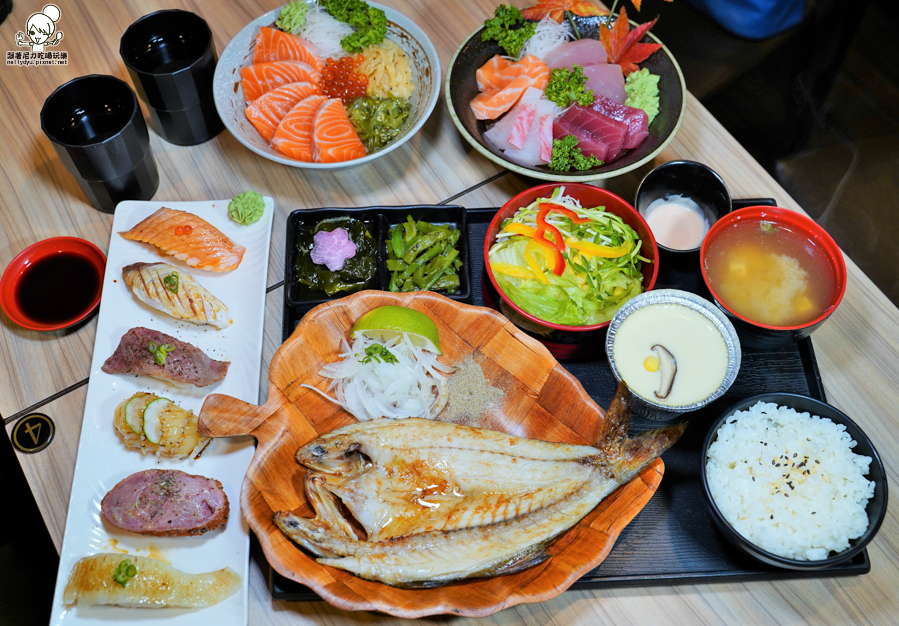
column 414, row 386
column 324, row 32
column 547, row 36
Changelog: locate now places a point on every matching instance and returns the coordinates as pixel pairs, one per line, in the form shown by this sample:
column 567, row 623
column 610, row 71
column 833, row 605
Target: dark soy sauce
column 58, row 288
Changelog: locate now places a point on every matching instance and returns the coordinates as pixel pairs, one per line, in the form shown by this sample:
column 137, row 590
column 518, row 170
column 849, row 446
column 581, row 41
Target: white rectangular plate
column 103, row 460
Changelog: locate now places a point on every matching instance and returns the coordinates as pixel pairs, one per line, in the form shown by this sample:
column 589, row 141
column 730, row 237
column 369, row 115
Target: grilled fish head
column 336, row 453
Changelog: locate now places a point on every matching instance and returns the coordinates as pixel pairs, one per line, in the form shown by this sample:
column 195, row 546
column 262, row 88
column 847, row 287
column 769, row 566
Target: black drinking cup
column 97, row 129
column 171, row 58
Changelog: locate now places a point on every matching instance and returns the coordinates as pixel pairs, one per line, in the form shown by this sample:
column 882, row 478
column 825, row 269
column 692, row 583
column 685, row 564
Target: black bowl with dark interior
column 462, row 87
column 876, row 508
column 689, row 179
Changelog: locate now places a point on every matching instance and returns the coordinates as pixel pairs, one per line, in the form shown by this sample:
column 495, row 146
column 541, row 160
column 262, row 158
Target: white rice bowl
column 789, row 482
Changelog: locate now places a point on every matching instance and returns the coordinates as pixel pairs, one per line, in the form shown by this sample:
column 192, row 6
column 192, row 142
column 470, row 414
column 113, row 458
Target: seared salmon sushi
column 188, row 238
column 260, row 78
column 333, row 137
column 267, row 111
column 276, row 45
column 293, row 136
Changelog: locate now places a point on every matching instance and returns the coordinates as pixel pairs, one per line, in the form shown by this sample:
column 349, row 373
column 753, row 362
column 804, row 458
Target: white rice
column 789, row 482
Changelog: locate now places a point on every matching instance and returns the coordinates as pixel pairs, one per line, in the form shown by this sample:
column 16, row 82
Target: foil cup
column 646, row 407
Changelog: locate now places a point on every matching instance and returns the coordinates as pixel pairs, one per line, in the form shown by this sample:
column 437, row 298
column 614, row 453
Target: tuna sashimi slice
column 293, row 136
column 267, row 111
column 584, row 52
column 276, row 45
column 636, row 119
column 590, row 128
column 588, row 144
column 606, row 80
column 333, row 137
column 260, row 78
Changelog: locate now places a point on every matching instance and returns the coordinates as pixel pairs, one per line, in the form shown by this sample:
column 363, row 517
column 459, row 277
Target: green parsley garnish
column 171, row 282
column 505, row 28
column 124, row 572
column 378, row 352
column 567, row 87
column 567, row 155
column 370, row 23
column 160, row 353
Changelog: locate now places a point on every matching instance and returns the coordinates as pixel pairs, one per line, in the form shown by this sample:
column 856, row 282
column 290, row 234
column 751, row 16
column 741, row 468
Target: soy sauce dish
column 53, row 284
column 793, row 481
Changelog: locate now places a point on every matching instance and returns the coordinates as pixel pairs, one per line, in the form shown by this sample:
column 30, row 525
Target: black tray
column 673, row 539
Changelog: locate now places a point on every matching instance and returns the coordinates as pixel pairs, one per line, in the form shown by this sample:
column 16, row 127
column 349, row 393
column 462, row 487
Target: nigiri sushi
column 188, row 238
column 171, row 290
column 153, row 584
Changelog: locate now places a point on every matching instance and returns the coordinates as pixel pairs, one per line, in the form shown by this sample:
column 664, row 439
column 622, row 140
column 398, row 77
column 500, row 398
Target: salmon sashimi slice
column 333, row 137
column 260, row 78
column 488, row 75
column 267, row 111
column 276, row 45
column 188, row 238
column 293, row 137
column 506, row 84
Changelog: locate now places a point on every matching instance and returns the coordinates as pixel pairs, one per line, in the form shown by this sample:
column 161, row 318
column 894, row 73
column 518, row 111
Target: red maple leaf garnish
column 623, row 44
column 556, row 9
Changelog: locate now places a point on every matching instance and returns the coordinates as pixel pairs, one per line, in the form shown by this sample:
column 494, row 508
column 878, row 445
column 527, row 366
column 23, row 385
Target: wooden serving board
column 542, row 401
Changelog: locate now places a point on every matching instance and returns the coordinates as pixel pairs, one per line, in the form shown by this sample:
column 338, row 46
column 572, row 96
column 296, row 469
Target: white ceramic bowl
column 231, row 105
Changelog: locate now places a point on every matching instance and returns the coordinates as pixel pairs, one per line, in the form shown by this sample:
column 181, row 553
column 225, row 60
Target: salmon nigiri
column 260, row 78
column 267, row 111
column 188, row 238
column 333, row 137
column 276, row 45
column 293, row 137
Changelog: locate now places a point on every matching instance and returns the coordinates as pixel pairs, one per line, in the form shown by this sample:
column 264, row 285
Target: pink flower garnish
column 332, row 249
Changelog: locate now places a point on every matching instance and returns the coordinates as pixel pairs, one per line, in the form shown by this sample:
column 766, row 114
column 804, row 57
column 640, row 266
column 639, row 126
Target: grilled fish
column 441, row 502
column 171, row 290
column 154, row 585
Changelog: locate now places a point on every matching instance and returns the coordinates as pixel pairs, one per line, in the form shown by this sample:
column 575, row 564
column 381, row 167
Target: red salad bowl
column 94, row 262
column 563, row 341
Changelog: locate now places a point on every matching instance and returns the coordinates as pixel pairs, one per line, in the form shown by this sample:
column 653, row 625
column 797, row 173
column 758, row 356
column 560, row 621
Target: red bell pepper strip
column 558, row 208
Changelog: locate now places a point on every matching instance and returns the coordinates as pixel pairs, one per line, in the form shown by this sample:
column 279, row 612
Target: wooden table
column 857, row 350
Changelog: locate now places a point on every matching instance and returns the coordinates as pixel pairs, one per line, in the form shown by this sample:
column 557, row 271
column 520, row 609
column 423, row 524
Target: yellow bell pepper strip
column 521, row 229
column 512, row 270
column 607, row 252
column 529, row 251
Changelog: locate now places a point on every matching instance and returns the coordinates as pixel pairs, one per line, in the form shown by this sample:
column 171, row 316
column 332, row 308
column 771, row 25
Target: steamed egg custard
column 770, row 274
column 670, row 354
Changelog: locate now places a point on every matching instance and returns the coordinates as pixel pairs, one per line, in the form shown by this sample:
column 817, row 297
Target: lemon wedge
column 387, row 322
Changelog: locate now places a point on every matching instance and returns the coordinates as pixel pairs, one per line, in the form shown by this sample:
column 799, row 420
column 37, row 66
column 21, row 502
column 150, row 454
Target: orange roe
column 341, row 80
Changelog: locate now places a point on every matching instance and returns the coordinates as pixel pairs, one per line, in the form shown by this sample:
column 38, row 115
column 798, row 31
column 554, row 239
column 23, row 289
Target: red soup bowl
column 563, row 341
column 758, row 334
column 53, row 284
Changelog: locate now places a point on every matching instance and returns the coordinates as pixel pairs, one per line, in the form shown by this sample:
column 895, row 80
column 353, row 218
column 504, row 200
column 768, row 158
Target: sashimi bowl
column 462, row 87
column 541, row 400
column 231, row 101
column 567, row 338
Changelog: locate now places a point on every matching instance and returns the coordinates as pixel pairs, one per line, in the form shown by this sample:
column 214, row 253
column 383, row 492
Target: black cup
column 171, row 58
column 692, row 180
column 97, row 129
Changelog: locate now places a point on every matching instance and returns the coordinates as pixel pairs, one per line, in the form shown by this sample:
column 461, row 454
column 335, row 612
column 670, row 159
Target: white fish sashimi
column 538, row 145
column 584, row 52
column 606, row 80
column 501, row 132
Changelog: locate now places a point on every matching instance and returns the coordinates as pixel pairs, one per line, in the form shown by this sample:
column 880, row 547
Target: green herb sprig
column 171, row 282
column 508, row 28
column 567, row 155
column 378, row 352
column 160, row 353
column 124, row 572
column 567, row 87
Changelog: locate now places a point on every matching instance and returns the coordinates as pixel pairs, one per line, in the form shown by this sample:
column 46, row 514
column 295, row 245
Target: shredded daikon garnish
column 325, row 32
column 414, row 386
column 548, row 35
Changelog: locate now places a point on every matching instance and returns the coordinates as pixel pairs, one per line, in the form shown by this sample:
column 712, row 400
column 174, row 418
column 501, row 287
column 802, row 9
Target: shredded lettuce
column 591, row 289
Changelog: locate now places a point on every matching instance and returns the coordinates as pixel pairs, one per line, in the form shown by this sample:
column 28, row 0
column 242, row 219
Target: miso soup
column 769, row 273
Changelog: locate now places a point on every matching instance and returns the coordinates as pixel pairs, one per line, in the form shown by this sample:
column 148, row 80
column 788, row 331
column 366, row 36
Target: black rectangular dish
column 378, row 221
column 673, row 539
